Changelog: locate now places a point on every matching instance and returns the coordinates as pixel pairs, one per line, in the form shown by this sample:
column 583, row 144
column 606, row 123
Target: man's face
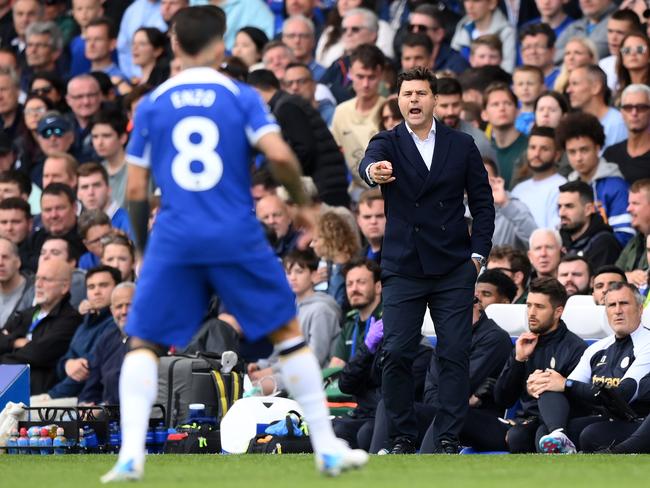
column 527, row 86
column 535, row 51
column 616, row 31
column 55, row 170
column 277, row 59
column 500, row 110
column 371, row 219
column 298, row 81
column 413, row 56
column 119, row 257
column 549, row 8
column 580, row 88
column 541, row 153
column 14, row 225
column 9, row 262
column 299, row 38
column 424, row 24
column 355, row 33
column 120, row 305
column 583, row 155
column 84, row 97
column 84, row 11
column 53, row 142
column 8, row 95
column 602, row 282
column 635, row 108
column 99, row 288
column 574, row 276
column 98, row 44
column 541, row 314
column 360, row 287
column 299, row 278
column 448, row 109
column 94, row 237
column 638, row 206
column 56, row 249
column 416, row 102
column 169, row 7
column 591, row 8
column 39, row 52
column 25, row 13
column 365, row 81
column 573, row 213
column 93, row 192
column 477, row 9
column 52, row 282
column 58, row 214
column 544, row 254
column 623, row 312
column 484, row 56
column 299, row 7
column 273, row 212
column 487, row 294
column 9, row 189
column 106, row 141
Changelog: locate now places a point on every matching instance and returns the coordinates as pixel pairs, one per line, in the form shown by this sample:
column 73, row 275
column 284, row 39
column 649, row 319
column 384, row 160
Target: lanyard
column 35, row 322
column 355, row 334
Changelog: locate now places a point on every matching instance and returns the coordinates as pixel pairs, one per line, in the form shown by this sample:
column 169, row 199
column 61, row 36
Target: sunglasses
column 420, row 28
column 625, row 51
column 41, row 91
column 52, row 131
column 641, row 107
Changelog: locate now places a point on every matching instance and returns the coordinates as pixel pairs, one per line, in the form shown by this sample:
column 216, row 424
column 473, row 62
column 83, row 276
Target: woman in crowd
column 28, row 149
column 579, row 51
column 249, row 43
column 633, row 63
column 118, row 251
column 549, row 109
column 148, row 52
column 390, row 116
column 50, row 86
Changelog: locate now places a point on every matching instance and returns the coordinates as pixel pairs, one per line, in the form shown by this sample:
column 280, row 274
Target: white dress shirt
column 426, row 146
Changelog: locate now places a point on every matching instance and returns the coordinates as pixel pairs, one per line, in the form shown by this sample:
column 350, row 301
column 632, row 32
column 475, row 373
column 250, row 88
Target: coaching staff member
column 428, row 255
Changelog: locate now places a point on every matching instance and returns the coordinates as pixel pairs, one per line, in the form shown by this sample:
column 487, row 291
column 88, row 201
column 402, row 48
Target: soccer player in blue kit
column 195, row 132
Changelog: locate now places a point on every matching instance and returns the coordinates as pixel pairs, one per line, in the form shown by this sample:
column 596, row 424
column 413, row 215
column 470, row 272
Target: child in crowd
column 528, row 85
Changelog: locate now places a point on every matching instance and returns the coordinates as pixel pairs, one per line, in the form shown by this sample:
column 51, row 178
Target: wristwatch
column 568, row 384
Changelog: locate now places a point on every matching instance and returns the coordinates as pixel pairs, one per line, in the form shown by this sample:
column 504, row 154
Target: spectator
column 118, row 251
column 40, row 335
column 43, row 49
column 168, row 8
column 579, row 51
column 10, row 109
column 574, row 273
column 391, row 117
column 16, row 225
column 95, row 194
column 633, row 154
column 593, row 25
column 513, row 222
column 545, row 251
column 588, row 93
column 60, row 168
column 298, row 80
column 633, row 259
column 148, row 54
column 273, row 213
column 25, row 13
column 55, row 137
column 102, row 385
column 449, row 109
column 249, row 44
column 101, row 40
column 372, row 223
column 354, row 121
column 514, row 264
column 527, row 85
column 486, row 50
column 620, row 24
column 567, row 430
column 50, row 86
column 363, row 290
column 12, row 282
column 109, row 136
column 84, row 12
column 417, row 50
column 94, row 228
column 582, row 137
column 240, row 13
column 538, row 48
column 29, row 151
column 539, row 192
column 604, row 277
column 500, row 111
column 84, row 98
column 483, row 17
column 305, row 131
column 550, row 107
column 276, row 56
column 299, row 35
column 552, row 14
column 493, row 286
column 14, row 183
column 582, row 229
column 633, row 61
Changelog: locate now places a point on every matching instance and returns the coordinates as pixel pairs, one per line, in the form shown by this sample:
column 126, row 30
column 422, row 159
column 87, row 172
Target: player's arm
column 138, row 202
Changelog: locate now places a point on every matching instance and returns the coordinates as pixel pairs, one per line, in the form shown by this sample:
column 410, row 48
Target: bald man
column 274, row 214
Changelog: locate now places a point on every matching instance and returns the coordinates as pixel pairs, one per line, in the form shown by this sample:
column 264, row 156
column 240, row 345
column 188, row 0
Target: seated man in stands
column 514, row 264
column 574, row 272
column 15, row 225
column 372, row 223
column 40, row 335
column 603, row 279
column 545, row 251
column 12, row 282
column 273, row 213
column 570, row 406
column 102, row 385
column 547, row 344
column 73, row 368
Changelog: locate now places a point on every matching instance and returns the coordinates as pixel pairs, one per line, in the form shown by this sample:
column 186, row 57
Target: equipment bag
column 287, row 436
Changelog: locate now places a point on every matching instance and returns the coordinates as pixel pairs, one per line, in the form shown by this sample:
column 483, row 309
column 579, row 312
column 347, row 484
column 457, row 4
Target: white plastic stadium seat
column 587, row 321
column 510, row 317
column 582, row 300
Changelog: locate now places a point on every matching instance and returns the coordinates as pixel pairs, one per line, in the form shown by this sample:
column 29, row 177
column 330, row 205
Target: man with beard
column 604, row 278
column 540, row 191
column 574, row 273
column 448, row 110
column 582, row 228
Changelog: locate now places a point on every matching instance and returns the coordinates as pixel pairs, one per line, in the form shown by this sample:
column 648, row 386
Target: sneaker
column 126, row 471
column 334, row 464
column 447, row 447
column 402, row 446
column 556, row 443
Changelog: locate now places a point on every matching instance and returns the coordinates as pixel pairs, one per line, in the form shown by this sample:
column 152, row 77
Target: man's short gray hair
column 121, row 286
column 636, row 88
column 370, row 19
column 49, row 28
column 299, row 17
column 556, row 235
column 619, row 285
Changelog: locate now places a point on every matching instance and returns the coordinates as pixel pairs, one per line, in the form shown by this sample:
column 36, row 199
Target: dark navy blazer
column 426, row 232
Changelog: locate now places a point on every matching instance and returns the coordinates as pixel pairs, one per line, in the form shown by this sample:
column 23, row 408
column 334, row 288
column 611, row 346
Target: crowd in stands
column 555, row 93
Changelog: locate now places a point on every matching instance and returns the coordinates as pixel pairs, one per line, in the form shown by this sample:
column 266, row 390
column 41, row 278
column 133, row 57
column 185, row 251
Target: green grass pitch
column 288, row 471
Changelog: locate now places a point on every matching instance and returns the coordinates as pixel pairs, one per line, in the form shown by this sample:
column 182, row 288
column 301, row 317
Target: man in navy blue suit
column 429, row 256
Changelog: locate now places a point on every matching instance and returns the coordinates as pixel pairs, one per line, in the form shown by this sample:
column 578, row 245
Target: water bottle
column 160, row 436
column 34, row 434
column 114, row 437
column 12, row 442
column 23, row 442
column 90, row 437
column 60, row 442
column 45, row 442
column 82, row 439
column 323, row 285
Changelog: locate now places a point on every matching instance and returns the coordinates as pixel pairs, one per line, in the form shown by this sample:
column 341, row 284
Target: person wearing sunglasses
column 633, row 154
column 633, row 61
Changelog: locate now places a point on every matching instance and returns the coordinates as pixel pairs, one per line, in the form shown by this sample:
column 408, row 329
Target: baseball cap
column 53, row 123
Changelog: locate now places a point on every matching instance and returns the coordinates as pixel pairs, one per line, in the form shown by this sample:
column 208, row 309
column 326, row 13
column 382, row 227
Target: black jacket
column 598, row 244
column 320, row 157
column 50, row 341
column 559, row 350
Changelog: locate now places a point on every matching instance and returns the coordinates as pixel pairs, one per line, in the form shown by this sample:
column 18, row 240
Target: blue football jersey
column 195, row 132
